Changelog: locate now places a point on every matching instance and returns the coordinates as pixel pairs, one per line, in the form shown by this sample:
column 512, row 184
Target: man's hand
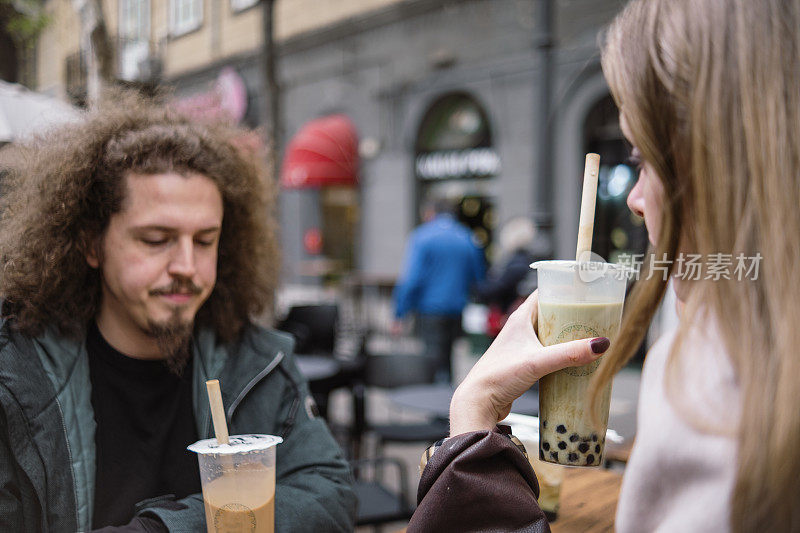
column 512, row 364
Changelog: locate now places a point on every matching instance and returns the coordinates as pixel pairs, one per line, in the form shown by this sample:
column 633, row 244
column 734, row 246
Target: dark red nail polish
column 600, row 344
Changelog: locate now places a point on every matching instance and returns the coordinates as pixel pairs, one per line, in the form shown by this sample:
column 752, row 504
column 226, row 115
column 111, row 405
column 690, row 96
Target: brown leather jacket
column 478, row 481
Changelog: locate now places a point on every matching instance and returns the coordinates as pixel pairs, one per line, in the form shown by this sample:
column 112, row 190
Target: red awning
column 324, row 152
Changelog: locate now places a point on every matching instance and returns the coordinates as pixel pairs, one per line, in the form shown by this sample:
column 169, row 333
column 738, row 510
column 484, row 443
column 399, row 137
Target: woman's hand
column 512, row 364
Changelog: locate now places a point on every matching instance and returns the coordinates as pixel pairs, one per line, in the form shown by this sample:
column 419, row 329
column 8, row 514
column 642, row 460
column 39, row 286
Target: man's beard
column 174, row 339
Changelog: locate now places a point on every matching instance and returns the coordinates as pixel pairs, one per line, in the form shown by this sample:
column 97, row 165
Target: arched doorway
column 454, row 158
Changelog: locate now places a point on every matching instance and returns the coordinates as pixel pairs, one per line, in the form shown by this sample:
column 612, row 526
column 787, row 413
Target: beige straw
column 588, row 200
column 217, row 411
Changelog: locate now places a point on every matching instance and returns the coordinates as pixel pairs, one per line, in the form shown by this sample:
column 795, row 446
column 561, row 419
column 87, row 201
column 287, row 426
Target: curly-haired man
column 136, row 247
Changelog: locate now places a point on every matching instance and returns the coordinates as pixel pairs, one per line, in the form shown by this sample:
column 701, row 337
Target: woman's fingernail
column 600, row 344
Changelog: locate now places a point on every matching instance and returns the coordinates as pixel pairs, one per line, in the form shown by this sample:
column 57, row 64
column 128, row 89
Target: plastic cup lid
column 238, row 444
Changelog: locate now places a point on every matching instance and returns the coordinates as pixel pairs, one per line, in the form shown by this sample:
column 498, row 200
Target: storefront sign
column 472, row 163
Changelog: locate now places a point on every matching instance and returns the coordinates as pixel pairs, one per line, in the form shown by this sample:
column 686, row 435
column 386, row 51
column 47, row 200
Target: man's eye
column 205, row 242
column 154, row 242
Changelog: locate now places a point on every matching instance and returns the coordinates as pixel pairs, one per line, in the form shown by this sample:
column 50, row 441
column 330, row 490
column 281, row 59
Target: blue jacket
column 47, row 448
column 441, row 265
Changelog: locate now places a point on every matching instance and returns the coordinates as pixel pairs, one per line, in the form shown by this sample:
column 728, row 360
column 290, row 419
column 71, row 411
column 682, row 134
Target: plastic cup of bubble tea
column 577, row 300
column 550, row 476
column 238, row 481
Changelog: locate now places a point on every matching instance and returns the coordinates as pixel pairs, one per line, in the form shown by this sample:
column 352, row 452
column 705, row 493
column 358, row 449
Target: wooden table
column 588, row 501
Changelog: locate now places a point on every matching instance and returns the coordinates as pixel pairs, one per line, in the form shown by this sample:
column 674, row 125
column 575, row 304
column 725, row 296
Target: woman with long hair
column 709, row 98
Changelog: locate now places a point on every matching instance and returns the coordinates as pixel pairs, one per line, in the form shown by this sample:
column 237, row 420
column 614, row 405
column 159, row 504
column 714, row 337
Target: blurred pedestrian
column 501, row 288
column 441, row 266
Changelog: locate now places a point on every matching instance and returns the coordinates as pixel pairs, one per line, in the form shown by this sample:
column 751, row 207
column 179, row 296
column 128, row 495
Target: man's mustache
column 178, row 287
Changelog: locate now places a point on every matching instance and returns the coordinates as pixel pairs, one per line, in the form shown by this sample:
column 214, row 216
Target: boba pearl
column 574, row 437
column 562, row 445
column 561, row 428
column 554, row 456
column 544, row 424
column 583, row 447
column 541, row 455
column 589, row 459
column 546, row 446
column 572, row 457
column 597, row 448
column 594, row 437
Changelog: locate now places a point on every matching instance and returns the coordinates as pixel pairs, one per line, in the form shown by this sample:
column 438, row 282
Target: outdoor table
column 434, row 399
column 588, row 501
column 317, row 367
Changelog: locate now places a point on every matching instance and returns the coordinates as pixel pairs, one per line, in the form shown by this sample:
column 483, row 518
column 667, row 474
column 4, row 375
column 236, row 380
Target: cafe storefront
column 454, row 158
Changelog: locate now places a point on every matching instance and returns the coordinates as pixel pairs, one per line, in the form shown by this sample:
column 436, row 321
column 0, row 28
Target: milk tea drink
column 575, row 304
column 238, row 482
column 237, row 503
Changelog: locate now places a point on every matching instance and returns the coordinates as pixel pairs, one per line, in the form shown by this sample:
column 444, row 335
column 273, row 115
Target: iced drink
column 238, row 483
column 573, row 306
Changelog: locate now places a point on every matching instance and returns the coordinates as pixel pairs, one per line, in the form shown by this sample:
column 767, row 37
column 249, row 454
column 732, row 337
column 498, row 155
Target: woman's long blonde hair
column 710, row 91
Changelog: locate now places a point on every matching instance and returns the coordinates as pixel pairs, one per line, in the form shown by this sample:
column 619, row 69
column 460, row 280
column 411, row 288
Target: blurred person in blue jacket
column 441, row 266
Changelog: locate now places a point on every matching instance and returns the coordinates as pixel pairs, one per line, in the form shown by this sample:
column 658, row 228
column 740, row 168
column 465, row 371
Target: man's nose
column 182, row 261
column 636, row 200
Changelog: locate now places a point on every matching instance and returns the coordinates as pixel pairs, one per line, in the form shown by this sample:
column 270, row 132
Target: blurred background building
column 378, row 103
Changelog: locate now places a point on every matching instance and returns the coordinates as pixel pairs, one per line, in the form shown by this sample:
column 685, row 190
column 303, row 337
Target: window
column 241, row 5
column 134, row 36
column 134, row 20
column 185, row 16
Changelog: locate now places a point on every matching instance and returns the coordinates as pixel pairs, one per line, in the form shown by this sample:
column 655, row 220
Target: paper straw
column 217, row 411
column 588, row 200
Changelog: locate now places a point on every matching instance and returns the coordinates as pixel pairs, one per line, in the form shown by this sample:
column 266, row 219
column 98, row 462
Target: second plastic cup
column 576, row 301
column 238, row 482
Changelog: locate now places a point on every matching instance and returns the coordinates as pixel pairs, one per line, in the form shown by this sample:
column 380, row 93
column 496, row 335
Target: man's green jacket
column 47, row 447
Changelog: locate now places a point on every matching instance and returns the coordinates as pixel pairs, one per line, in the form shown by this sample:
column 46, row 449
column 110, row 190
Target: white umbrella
column 23, row 111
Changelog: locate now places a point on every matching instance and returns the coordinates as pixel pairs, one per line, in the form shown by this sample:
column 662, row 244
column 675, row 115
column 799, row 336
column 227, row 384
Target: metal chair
column 398, row 370
column 377, row 504
column 313, row 326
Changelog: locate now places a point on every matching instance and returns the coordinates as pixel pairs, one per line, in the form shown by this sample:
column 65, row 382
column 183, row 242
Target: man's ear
column 91, row 251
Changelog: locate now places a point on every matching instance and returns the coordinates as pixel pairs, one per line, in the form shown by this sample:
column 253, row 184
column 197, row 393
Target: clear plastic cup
column 238, row 482
column 576, row 301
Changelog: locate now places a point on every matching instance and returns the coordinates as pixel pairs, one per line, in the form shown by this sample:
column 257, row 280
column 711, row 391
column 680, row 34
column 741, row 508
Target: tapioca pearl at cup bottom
column 590, row 459
column 562, row 445
column 594, row 437
column 572, row 457
column 583, row 447
column 546, row 446
column 574, row 437
column 554, row 456
column 597, row 448
column 541, row 455
column 561, row 429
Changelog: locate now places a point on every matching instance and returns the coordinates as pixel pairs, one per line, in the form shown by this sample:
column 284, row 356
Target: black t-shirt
column 144, row 423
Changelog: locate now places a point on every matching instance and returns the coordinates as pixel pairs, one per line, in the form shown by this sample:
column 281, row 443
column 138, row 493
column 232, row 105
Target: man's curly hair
column 61, row 188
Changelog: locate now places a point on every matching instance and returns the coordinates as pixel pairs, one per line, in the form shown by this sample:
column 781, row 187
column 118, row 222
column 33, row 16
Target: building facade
column 492, row 102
